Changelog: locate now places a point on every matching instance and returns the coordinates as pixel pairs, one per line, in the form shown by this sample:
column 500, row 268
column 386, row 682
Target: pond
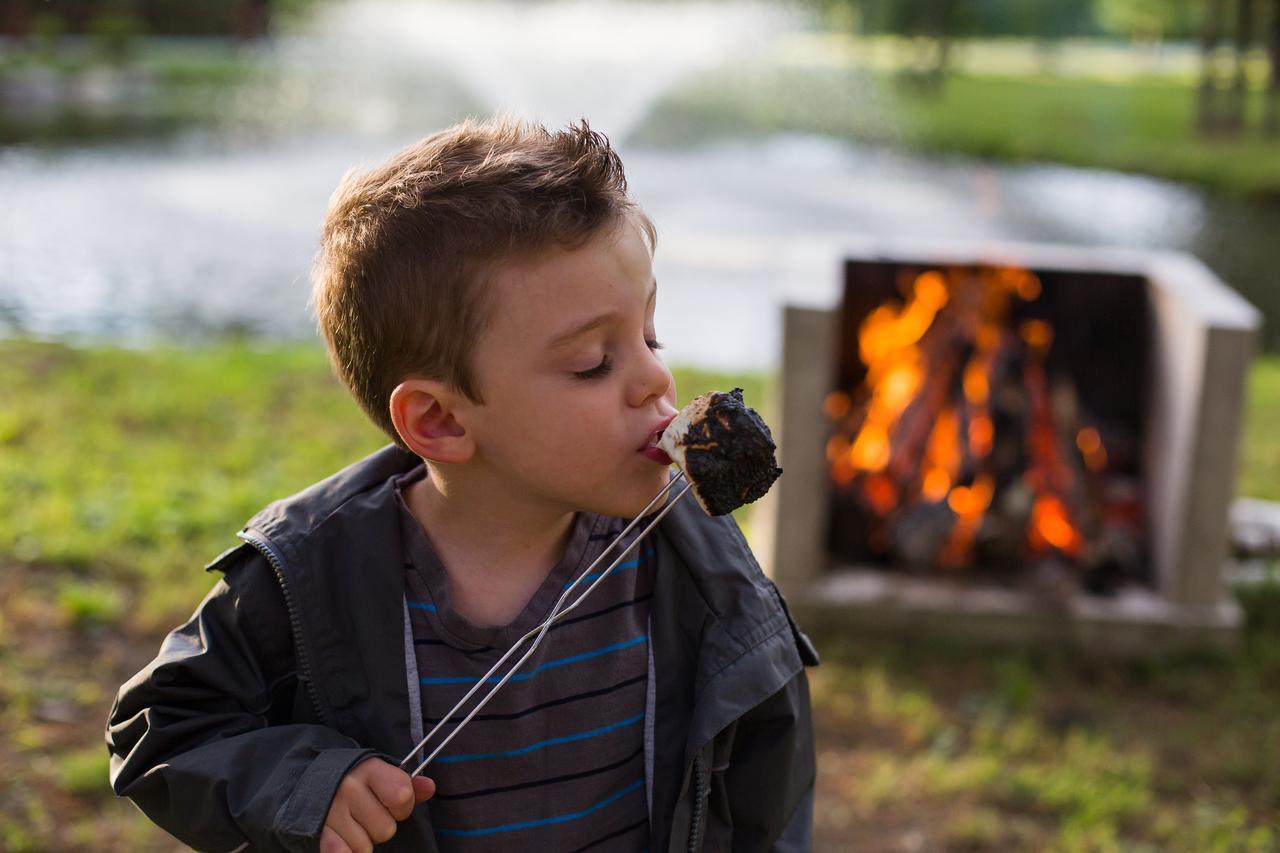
column 211, row 231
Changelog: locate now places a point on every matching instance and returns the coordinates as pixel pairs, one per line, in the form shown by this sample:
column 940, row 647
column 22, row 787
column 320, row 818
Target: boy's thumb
column 423, row 788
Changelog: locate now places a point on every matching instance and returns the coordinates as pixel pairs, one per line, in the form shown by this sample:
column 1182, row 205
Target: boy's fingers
column 423, row 788
column 392, row 787
column 349, row 830
column 372, row 816
column 331, row 841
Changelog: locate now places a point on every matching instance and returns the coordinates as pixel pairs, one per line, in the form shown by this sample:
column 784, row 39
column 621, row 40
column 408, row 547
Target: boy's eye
column 605, row 365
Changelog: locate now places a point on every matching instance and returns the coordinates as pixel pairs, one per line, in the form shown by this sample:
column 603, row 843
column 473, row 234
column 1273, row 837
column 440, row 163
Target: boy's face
column 573, row 386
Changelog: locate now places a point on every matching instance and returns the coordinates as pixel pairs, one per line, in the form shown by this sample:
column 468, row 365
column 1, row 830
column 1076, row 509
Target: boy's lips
column 650, row 448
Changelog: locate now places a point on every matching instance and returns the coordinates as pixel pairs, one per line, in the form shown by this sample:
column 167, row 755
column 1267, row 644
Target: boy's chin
column 635, row 499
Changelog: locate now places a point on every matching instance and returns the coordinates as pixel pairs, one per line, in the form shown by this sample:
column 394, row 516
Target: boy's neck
column 496, row 549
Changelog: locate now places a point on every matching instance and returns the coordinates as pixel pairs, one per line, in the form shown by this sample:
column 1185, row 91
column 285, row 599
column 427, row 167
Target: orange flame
column 1051, row 525
column 976, row 387
column 1037, row 333
column 982, row 435
column 881, row 493
column 936, row 484
column 885, row 330
column 970, row 504
column 1090, row 444
column 887, row 450
column 944, row 440
column 870, row 450
column 836, row 405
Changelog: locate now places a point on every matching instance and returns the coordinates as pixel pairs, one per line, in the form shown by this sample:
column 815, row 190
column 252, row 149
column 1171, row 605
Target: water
column 203, row 234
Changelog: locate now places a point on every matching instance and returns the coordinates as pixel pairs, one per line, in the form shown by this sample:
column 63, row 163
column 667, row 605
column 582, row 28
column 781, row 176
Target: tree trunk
column 1271, row 118
column 1240, row 86
column 1208, row 98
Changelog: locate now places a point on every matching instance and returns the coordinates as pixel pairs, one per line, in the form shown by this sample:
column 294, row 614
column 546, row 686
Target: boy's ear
column 424, row 413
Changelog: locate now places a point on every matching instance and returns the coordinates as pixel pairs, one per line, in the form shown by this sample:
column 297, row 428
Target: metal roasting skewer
column 541, row 631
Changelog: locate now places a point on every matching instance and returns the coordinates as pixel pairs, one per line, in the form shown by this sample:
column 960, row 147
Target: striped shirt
column 555, row 761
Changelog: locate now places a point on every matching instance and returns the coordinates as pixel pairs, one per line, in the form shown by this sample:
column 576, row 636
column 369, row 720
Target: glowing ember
column 1050, row 526
column 836, row 405
column 1037, row 333
column 1090, row 444
column 870, row 451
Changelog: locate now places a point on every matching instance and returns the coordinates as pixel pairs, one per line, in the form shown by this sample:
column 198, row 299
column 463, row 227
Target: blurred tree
column 236, row 18
column 1149, row 20
column 930, row 27
column 1210, row 118
column 1223, row 97
column 1234, row 119
column 115, row 37
column 15, row 18
column 1271, row 115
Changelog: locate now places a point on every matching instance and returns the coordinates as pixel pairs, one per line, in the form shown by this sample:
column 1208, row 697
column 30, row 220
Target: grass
column 1135, row 124
column 1002, row 751
column 122, row 472
column 134, row 468
column 1260, row 450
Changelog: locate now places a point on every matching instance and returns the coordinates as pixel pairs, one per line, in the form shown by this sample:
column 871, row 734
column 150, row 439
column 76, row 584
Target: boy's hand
column 371, row 798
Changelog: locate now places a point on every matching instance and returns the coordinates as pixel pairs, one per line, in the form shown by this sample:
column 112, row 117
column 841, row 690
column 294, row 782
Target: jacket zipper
column 699, row 794
column 273, row 557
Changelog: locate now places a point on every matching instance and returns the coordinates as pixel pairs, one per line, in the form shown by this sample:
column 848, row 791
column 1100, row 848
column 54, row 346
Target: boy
column 487, row 296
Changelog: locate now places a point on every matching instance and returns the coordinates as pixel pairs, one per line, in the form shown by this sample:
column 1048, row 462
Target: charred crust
column 729, row 454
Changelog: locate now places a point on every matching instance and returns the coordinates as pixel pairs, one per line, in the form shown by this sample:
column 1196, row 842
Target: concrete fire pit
column 1201, row 336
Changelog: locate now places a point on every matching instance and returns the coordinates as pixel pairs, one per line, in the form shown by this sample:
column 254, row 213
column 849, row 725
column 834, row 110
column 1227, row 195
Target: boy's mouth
column 656, row 435
column 651, row 449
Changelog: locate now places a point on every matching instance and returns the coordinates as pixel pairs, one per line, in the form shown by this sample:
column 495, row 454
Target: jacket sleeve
column 769, row 775
column 193, row 744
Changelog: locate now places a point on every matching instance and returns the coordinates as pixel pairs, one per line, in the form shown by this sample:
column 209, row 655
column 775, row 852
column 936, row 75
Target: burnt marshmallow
column 725, row 450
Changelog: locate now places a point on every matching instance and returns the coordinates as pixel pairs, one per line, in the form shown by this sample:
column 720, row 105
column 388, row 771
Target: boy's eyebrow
column 594, row 323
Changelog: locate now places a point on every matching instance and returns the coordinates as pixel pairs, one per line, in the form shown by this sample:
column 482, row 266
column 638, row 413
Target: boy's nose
column 653, row 379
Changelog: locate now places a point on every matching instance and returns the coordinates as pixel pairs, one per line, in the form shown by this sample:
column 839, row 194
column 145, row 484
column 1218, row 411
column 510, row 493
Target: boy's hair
column 399, row 281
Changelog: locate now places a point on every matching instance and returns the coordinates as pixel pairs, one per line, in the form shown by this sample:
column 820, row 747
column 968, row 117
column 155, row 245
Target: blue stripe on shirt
column 630, row 564
column 542, row 744
column 529, row 824
column 552, row 664
column 421, row 605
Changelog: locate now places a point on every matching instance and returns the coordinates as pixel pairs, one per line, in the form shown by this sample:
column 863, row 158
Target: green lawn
column 135, row 467
column 1260, row 451
column 122, row 471
column 1137, row 124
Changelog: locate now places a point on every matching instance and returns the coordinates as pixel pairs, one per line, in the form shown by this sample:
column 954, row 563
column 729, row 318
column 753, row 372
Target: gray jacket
column 293, row 669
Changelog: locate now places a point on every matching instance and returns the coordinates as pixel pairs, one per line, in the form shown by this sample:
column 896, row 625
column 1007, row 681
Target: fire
column 1037, row 333
column 926, row 425
column 943, row 452
column 982, row 435
column 886, row 332
column 882, row 493
column 937, row 482
column 1089, row 443
column 836, row 405
column 975, row 383
column 970, row 504
column 1051, row 526
column 870, row 452
column 972, row 501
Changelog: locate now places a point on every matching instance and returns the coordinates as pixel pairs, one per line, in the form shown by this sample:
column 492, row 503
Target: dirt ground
column 882, row 720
